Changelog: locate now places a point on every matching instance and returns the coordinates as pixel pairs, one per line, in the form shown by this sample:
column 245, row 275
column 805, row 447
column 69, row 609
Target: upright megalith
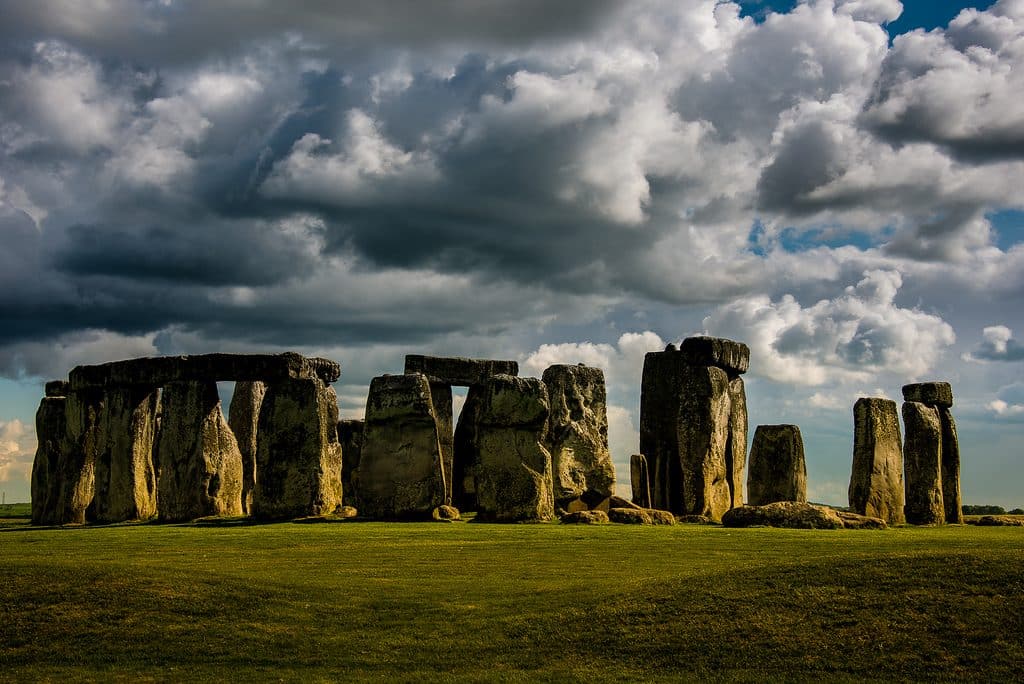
column 690, row 431
column 931, row 454
column 777, row 471
column 513, row 465
column 76, row 465
column 350, row 436
column 401, row 467
column 441, row 399
column 198, row 462
column 244, row 418
column 51, row 433
column 125, row 475
column 876, row 478
column 578, row 434
column 640, row 480
column 298, row 456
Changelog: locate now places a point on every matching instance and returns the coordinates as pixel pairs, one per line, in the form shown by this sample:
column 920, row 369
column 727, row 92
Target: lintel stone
column 458, row 371
column 732, row 357
column 930, row 393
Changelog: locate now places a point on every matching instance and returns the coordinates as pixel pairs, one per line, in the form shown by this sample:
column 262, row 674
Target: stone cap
column 578, row 372
column 510, row 401
column 451, row 370
column 930, row 393
column 57, row 388
column 392, row 396
column 157, row 371
column 728, row 355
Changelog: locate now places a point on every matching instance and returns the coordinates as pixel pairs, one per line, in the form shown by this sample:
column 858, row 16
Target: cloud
column 998, row 344
column 17, row 451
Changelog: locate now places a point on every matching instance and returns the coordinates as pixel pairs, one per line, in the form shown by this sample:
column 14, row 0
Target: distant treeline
column 990, row 510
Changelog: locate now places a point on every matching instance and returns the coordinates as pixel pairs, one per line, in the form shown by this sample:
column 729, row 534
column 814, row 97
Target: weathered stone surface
column 244, row 418
column 458, row 371
column 930, row 393
column 198, row 462
column 350, row 436
column 922, row 456
column 441, row 398
column 77, row 461
column 513, row 468
column 684, row 431
column 950, row 468
column 298, row 457
column 401, row 468
column 347, row 512
column 629, row 516
column 578, row 433
column 585, row 518
column 125, row 486
column 855, row 521
column 876, row 479
column 660, row 517
column 778, row 471
column 57, row 388
column 999, row 521
column 728, row 355
column 639, row 479
column 466, row 451
column 51, row 429
column 158, row 371
column 445, row 514
column 736, row 448
column 792, row 514
column 696, row 520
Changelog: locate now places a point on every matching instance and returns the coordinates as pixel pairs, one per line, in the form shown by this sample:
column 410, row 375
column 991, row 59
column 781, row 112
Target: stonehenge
column 931, row 453
column 876, row 478
column 777, row 471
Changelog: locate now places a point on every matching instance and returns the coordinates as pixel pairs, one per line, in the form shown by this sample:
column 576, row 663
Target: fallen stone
column 778, row 471
column 585, row 518
column 125, row 478
column 244, row 418
column 198, row 462
column 458, row 371
column 57, row 388
column 736, row 448
column 445, row 514
column 930, row 393
column 401, row 471
column 639, row 479
column 660, row 517
column 876, row 479
column 347, row 512
column 298, row 457
column 999, row 521
column 854, row 521
column 950, row 469
column 51, row 427
column 696, row 520
column 578, row 433
column 922, row 457
column 350, row 436
column 793, row 514
column 513, row 469
column 629, row 516
column 728, row 355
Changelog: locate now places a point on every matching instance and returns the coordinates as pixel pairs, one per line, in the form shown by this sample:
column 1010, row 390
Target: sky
column 837, row 183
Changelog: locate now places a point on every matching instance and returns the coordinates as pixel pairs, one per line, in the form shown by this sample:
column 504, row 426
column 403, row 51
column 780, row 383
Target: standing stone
column 350, row 436
column 465, row 447
column 922, row 456
column 736, row 449
column 76, row 465
column 401, row 468
column 199, row 464
column 125, row 476
column 876, row 479
column 513, row 472
column 640, row 480
column 244, row 418
column 778, row 471
column 51, row 427
column 578, row 434
column 441, row 398
column 950, row 468
column 298, row 457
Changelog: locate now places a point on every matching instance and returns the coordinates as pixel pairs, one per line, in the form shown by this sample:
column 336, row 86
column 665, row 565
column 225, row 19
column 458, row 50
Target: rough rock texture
column 736, row 448
column 401, row 468
column 125, row 486
column 660, row 517
column 784, row 514
column 298, row 457
column 76, row 463
column 161, row 370
column 950, row 468
column 629, row 516
column 931, row 393
column 1000, row 521
column 695, row 520
column 728, row 355
column 513, row 467
column 777, row 470
column 639, row 479
column 458, row 371
column 244, row 418
column 876, row 479
column 199, row 467
column 465, row 449
column 585, row 518
column 684, row 433
column 578, row 433
column 57, row 388
column 347, row 512
column 855, row 521
column 350, row 436
column 51, row 427
column 441, row 398
column 922, row 456
column 445, row 514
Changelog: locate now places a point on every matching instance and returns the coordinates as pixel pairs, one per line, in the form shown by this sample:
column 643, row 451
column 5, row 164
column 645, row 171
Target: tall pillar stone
column 778, row 470
column 350, row 436
column 513, row 471
column 441, row 399
column 199, row 464
column 244, row 418
column 51, row 435
column 298, row 456
column 125, row 476
column 937, row 397
column 736, row 449
column 76, row 466
column 876, row 478
column 950, row 468
column 639, row 479
column 578, row 434
column 922, row 456
column 401, row 468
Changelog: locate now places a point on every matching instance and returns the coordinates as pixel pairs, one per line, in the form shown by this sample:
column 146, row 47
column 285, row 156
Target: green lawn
column 476, row 602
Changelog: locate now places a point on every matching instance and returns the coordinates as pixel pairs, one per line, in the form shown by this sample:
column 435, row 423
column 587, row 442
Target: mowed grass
column 476, row 602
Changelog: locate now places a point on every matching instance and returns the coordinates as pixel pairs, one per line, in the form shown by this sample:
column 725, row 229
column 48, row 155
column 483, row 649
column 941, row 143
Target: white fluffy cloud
column 998, row 344
column 17, row 450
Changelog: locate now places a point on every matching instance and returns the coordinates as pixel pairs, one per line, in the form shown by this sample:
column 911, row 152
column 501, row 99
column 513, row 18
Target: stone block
column 876, row 478
column 930, row 393
column 731, row 356
column 125, row 476
column 778, row 471
column 922, row 457
column 458, row 371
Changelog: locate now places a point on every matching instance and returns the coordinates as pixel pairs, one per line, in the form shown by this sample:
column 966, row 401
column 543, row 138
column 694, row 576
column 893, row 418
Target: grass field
column 475, row 602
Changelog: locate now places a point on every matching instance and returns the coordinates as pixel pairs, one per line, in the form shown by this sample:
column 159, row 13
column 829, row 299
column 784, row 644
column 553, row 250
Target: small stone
column 57, row 388
column 629, row 516
column 930, row 393
column 585, row 518
column 853, row 521
column 347, row 512
column 695, row 520
column 660, row 517
column 999, row 521
column 445, row 513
